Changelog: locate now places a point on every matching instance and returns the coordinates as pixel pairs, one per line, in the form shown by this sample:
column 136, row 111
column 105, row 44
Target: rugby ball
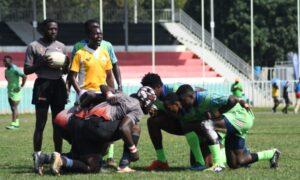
column 58, row 59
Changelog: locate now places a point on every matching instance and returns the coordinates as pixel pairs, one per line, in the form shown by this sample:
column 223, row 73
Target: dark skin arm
column 73, row 81
column 110, row 79
column 24, row 78
column 117, row 75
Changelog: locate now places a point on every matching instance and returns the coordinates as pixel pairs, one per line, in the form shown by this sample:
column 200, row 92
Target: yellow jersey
column 275, row 92
column 91, row 66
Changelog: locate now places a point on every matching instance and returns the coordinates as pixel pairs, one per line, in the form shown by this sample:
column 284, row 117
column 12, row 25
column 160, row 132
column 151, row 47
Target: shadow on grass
column 171, row 169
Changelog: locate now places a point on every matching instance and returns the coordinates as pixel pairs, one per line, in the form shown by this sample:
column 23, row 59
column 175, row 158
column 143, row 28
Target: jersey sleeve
column 131, row 107
column 29, row 56
column 19, row 72
column 112, row 54
column 75, row 66
column 216, row 100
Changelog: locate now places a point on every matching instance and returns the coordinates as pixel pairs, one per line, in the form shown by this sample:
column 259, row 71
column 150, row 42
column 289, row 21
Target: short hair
column 184, row 90
column 7, row 57
column 88, row 23
column 152, row 80
column 47, row 21
column 171, row 98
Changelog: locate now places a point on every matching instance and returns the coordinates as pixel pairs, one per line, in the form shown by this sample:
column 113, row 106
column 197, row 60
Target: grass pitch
column 270, row 130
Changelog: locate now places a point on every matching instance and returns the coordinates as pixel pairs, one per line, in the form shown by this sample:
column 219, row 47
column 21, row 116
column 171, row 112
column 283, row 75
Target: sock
column 46, row 158
column 111, row 151
column 67, row 162
column 132, row 149
column 215, row 153
column 160, row 155
column 223, row 157
column 266, row 155
column 254, row 157
column 125, row 157
column 16, row 123
column 194, row 144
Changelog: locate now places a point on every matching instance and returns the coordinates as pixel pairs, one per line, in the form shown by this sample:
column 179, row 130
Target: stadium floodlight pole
column 212, row 24
column 34, row 22
column 202, row 34
column 173, row 10
column 202, row 23
column 135, row 12
column 126, row 25
column 252, row 49
column 298, row 28
column 101, row 15
column 153, row 36
column 44, row 10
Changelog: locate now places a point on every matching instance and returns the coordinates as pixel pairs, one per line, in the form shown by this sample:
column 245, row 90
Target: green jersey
column 12, row 76
column 166, row 89
column 240, row 118
column 237, row 89
column 205, row 102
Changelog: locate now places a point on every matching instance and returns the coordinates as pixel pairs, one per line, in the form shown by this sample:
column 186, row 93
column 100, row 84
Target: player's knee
column 136, row 129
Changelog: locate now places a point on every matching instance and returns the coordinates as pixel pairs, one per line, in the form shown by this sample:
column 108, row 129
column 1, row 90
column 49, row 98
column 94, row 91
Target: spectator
column 237, row 88
column 297, row 92
column 275, row 95
column 12, row 75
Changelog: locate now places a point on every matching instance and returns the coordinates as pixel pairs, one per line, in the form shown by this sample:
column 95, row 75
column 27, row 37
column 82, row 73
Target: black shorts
column 92, row 135
column 49, row 92
column 232, row 140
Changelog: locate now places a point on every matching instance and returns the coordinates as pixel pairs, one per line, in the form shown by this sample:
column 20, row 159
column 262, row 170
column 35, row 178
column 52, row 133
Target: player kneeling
column 91, row 131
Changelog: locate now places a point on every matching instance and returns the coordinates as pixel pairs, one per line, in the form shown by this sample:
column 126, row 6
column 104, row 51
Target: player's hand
column 153, row 111
column 113, row 100
column 48, row 60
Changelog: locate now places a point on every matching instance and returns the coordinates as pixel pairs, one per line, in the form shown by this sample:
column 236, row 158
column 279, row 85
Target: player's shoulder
column 106, row 43
column 58, row 43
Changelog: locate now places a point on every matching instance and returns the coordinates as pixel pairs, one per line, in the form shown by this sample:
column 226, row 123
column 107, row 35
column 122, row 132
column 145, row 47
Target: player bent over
column 101, row 125
column 237, row 119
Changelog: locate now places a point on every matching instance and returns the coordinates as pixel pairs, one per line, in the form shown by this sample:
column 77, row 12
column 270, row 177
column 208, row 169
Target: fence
column 219, row 47
column 81, row 14
column 216, row 87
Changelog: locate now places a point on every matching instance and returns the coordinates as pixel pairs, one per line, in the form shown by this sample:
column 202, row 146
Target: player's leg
column 126, row 130
column 297, row 105
column 41, row 113
column 57, row 137
column 14, row 109
column 156, row 124
column 276, row 104
column 125, row 160
column 85, row 164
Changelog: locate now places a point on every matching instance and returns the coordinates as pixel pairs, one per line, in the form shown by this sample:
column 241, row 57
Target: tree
column 275, row 27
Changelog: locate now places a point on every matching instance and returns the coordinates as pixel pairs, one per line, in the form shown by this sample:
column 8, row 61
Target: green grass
column 270, row 130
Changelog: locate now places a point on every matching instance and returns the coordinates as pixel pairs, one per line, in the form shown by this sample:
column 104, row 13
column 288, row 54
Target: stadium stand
column 8, row 37
column 139, row 34
column 135, row 64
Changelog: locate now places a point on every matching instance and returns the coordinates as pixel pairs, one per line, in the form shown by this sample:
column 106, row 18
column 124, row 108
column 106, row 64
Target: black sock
column 254, row 157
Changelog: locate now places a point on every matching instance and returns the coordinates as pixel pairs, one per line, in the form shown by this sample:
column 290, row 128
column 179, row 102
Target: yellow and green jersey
column 91, row 66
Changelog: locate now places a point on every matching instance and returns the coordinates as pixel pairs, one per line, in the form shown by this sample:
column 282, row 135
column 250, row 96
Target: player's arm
column 117, row 75
column 75, row 66
column 29, row 65
column 24, row 78
column 115, row 68
column 110, row 79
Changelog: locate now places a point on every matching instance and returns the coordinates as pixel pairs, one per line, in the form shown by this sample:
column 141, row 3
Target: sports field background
column 270, row 130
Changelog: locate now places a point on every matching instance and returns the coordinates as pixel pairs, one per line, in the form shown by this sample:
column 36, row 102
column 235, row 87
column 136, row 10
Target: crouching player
column 237, row 119
column 91, row 133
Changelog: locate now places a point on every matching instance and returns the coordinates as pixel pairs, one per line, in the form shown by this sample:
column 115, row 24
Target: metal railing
column 219, row 48
column 79, row 14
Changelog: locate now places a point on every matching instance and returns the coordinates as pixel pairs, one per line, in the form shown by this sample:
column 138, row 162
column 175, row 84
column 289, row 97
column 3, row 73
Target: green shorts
column 241, row 119
column 13, row 95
